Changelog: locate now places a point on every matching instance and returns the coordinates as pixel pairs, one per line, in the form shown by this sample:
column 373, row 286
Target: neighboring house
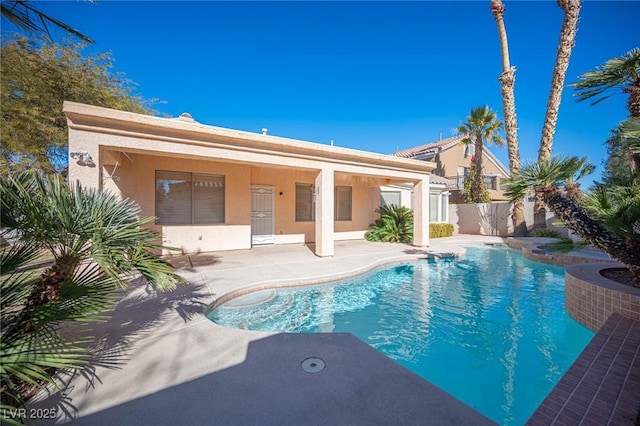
column 212, row 188
column 453, row 161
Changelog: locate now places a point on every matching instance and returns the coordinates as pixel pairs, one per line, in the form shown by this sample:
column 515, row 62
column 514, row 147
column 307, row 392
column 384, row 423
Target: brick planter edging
column 591, row 298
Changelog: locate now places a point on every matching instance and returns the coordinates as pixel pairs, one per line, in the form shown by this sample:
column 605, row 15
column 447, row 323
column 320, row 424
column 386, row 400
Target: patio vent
column 185, row 116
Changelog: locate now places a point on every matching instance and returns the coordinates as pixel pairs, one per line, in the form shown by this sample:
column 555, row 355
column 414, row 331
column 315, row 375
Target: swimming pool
column 489, row 328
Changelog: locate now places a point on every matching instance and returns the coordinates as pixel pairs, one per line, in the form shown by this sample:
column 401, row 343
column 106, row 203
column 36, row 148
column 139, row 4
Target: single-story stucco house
column 212, row 188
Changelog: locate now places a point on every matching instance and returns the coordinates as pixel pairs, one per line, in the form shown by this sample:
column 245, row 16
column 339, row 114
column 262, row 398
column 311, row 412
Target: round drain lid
column 313, row 365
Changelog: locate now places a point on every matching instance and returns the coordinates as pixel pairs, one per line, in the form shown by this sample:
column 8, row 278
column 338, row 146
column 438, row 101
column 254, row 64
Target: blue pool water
column 489, row 328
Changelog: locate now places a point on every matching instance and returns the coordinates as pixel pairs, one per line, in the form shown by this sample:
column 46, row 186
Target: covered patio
column 213, row 189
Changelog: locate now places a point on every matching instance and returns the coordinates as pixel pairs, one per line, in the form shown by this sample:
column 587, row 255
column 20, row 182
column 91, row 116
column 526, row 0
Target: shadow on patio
column 350, row 383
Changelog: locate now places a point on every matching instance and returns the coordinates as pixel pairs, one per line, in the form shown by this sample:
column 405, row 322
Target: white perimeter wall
column 492, row 219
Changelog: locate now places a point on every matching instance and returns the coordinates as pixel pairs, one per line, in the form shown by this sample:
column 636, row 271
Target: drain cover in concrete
column 313, row 365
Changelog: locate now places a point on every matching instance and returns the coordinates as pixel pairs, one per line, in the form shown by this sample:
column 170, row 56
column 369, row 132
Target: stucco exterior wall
column 134, row 178
column 448, row 160
column 127, row 149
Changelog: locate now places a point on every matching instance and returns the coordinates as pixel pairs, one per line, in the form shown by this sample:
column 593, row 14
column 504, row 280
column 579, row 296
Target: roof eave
column 83, row 116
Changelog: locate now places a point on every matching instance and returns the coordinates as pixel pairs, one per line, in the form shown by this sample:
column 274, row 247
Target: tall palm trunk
column 633, row 104
column 507, row 82
column 478, row 178
column 576, row 219
column 568, row 31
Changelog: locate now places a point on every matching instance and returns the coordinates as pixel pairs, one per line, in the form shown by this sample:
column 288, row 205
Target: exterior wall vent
column 185, row 116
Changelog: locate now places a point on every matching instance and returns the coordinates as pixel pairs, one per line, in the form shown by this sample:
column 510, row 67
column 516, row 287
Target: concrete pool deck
column 155, row 342
column 161, row 361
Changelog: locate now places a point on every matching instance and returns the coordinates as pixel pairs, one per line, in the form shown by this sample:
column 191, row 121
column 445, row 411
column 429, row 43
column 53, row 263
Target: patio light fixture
column 83, row 157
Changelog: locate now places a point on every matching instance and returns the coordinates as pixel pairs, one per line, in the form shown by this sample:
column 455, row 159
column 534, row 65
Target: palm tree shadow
column 139, row 311
column 190, row 262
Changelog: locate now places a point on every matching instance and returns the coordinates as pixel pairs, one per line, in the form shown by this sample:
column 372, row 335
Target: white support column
column 421, row 213
column 324, row 212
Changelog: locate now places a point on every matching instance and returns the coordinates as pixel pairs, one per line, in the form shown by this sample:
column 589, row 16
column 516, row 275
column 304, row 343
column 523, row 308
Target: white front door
column 262, row 218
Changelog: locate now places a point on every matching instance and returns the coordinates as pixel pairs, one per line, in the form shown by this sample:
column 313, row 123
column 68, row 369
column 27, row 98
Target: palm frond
column 30, row 341
column 610, row 78
column 629, row 130
column 30, row 19
column 17, row 255
column 556, row 171
column 86, row 224
column 618, row 207
column 97, row 242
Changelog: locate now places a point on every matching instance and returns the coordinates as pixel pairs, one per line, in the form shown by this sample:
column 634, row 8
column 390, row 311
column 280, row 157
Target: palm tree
column 616, row 75
column 571, row 9
column 22, row 14
column 481, row 125
column 507, row 82
column 32, row 346
column 94, row 244
column 549, row 178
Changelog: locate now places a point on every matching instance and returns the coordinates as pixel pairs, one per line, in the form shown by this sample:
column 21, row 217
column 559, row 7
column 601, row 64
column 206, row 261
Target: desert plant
column 549, row 178
column 618, row 208
column 33, row 344
column 96, row 243
column 395, row 225
column 565, row 245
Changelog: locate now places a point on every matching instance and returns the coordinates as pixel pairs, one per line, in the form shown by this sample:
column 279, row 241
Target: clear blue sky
column 376, row 76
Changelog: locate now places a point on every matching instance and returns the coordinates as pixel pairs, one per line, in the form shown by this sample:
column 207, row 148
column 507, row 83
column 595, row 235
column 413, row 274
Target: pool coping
column 602, row 386
column 325, row 279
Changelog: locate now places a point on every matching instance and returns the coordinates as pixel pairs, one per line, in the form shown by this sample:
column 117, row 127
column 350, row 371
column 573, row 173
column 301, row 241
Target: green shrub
column 394, row 226
column 440, row 230
column 546, row 233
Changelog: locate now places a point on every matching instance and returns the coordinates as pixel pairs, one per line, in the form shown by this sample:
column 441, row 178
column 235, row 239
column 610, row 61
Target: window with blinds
column 342, row 203
column 189, row 198
column 305, row 202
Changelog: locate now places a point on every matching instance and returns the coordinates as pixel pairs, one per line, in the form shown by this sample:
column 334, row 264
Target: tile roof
column 429, row 148
column 439, row 180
